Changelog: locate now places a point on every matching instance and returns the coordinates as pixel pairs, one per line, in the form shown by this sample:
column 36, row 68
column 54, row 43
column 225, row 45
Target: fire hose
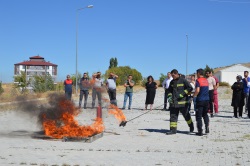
column 123, row 123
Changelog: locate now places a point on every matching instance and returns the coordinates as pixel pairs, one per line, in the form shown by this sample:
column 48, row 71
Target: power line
column 225, row 1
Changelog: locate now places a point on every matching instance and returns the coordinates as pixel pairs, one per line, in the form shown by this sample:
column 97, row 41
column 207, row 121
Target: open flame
column 58, row 120
column 113, row 109
column 62, row 123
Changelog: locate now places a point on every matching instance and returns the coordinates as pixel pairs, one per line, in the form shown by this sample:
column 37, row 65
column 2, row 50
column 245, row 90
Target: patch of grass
column 247, row 136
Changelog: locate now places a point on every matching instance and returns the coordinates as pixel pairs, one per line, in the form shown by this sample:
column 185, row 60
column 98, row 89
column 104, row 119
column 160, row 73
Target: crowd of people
column 178, row 96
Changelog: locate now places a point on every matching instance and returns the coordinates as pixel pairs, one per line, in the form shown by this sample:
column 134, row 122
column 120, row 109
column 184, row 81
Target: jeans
column 68, row 95
column 246, row 101
column 96, row 92
column 126, row 95
column 85, row 93
column 112, row 96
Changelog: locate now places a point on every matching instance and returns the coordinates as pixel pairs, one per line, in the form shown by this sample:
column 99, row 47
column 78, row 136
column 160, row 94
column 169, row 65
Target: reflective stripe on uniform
column 189, row 121
column 182, row 102
column 173, row 124
column 186, row 91
column 180, row 85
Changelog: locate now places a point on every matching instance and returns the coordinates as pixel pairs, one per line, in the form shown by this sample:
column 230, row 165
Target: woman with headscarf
column 238, row 97
column 151, row 87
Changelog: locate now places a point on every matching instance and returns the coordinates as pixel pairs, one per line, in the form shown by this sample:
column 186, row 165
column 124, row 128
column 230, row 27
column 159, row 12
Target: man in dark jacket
column 179, row 89
column 84, row 90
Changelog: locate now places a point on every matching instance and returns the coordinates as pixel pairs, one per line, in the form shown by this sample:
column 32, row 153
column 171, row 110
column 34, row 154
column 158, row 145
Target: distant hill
column 220, row 68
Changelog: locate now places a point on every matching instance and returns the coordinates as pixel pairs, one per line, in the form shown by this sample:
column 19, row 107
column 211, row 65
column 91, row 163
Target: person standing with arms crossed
column 202, row 100
column 129, row 84
column 165, row 85
column 179, row 89
column 68, row 87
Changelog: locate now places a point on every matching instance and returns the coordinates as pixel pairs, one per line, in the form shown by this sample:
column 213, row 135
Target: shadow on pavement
column 165, row 130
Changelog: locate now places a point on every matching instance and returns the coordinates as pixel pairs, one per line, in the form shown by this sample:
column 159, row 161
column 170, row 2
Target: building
column 229, row 74
column 36, row 66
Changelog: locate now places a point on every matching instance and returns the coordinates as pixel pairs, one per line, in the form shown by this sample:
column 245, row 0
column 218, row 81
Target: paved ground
column 141, row 142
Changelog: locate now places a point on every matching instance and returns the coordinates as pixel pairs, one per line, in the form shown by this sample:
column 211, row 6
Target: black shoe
column 191, row 129
column 199, row 133
column 212, row 115
column 129, row 108
column 207, row 130
column 123, row 108
column 171, row 132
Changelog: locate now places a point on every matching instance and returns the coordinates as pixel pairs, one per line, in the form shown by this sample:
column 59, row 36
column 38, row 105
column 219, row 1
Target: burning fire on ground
column 58, row 120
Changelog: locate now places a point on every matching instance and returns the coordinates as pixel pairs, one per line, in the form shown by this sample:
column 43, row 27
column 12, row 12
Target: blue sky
column 149, row 35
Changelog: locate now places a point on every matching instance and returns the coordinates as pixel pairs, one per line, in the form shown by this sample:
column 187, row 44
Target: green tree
column 162, row 78
column 207, row 68
column 22, row 82
column 123, row 72
column 73, row 77
column 111, row 63
column 115, row 62
column 43, row 83
column 1, row 88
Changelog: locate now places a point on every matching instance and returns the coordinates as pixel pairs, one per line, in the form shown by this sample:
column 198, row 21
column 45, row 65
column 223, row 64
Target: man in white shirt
column 211, row 87
column 165, row 85
column 97, row 82
column 111, row 87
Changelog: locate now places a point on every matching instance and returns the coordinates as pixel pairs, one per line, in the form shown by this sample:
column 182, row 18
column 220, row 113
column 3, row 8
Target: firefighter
column 179, row 89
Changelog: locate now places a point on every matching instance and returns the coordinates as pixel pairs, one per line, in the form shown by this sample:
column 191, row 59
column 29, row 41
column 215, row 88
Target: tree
column 22, row 81
column 207, row 68
column 113, row 63
column 1, row 88
column 123, row 72
column 43, row 83
column 162, row 78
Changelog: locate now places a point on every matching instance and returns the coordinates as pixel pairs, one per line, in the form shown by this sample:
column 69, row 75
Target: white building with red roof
column 36, row 66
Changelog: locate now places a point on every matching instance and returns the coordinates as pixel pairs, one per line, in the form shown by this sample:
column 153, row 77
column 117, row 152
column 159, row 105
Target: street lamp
column 89, row 6
column 187, row 56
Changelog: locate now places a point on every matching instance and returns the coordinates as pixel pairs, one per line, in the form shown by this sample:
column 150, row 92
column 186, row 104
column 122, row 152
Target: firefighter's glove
column 170, row 100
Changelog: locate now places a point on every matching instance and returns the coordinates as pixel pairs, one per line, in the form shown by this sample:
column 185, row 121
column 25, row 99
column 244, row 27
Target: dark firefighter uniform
column 179, row 89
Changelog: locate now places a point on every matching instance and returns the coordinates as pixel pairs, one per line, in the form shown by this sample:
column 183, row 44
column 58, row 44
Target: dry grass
column 10, row 93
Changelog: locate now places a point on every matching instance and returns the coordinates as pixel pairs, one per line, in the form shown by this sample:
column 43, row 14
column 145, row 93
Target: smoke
column 54, row 109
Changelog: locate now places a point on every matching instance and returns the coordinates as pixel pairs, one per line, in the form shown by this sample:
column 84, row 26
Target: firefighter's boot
column 172, row 131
